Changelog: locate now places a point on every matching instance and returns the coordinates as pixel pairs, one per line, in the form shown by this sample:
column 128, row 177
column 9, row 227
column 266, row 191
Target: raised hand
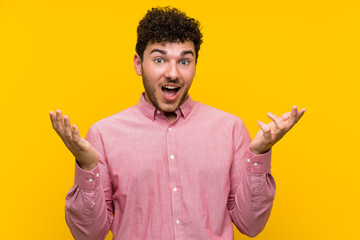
column 84, row 153
column 272, row 132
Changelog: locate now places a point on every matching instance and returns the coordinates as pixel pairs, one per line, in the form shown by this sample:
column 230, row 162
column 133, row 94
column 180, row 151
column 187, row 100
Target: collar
column 151, row 112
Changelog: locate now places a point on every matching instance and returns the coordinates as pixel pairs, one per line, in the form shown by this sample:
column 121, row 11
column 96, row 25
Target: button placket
column 174, row 175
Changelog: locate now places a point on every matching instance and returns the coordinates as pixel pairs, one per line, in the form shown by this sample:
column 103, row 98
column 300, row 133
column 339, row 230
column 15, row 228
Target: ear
column 137, row 64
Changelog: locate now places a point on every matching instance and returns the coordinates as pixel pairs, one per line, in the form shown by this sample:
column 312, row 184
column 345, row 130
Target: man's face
column 167, row 71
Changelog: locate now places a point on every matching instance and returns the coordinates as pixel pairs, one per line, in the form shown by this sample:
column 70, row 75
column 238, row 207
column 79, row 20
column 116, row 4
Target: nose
column 172, row 72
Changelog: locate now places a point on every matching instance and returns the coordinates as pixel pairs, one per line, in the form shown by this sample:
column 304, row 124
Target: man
column 170, row 167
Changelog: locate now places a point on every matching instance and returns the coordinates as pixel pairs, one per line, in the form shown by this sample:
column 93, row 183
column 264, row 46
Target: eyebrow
column 187, row 52
column 164, row 52
column 158, row 50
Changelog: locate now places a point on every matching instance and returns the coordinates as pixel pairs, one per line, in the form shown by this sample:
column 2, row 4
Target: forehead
column 171, row 46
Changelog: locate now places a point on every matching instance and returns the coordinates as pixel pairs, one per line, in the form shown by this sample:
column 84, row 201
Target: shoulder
column 213, row 118
column 122, row 117
column 206, row 110
column 219, row 123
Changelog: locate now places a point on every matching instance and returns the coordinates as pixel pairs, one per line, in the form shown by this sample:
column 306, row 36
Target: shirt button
column 90, row 179
column 172, row 156
column 97, row 175
column 178, row 222
column 158, row 112
column 93, row 203
column 170, row 129
column 248, row 160
column 255, row 164
column 174, row 189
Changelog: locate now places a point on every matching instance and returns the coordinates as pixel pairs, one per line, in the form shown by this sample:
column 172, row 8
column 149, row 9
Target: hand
column 84, row 153
column 272, row 132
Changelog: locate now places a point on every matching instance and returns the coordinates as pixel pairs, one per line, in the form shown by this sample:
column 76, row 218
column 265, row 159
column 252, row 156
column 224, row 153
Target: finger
column 52, row 118
column 301, row 113
column 278, row 122
column 67, row 128
column 266, row 130
column 285, row 116
column 76, row 134
column 293, row 116
column 59, row 121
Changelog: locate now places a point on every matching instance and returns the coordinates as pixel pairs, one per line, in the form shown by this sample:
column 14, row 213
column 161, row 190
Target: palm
column 84, row 153
column 272, row 132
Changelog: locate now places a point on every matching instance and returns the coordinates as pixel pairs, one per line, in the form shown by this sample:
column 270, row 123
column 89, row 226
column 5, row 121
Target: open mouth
column 170, row 91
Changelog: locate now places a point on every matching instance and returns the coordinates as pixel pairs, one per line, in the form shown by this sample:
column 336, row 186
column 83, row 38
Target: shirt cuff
column 87, row 180
column 259, row 163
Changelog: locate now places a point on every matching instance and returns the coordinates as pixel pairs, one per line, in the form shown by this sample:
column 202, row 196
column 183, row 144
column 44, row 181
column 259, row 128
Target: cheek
column 153, row 74
column 188, row 75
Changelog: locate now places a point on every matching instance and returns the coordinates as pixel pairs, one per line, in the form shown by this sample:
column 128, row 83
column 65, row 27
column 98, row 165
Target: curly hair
column 169, row 25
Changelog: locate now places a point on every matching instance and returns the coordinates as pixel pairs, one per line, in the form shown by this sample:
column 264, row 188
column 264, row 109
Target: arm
column 88, row 209
column 252, row 188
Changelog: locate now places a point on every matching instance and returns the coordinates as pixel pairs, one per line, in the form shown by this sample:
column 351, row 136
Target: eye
column 159, row 60
column 184, row 62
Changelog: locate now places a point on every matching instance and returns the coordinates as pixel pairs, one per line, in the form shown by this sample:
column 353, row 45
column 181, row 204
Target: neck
column 171, row 116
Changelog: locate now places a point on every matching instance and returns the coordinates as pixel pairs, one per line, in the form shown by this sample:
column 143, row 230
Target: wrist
column 259, row 151
column 87, row 166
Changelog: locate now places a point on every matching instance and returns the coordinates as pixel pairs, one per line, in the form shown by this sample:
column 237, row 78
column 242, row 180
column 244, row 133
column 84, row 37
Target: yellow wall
column 76, row 55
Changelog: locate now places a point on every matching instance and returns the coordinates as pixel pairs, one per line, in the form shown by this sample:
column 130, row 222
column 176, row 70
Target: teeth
column 170, row 87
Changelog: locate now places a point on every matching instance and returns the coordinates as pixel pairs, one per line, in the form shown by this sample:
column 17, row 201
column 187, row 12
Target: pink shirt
column 186, row 180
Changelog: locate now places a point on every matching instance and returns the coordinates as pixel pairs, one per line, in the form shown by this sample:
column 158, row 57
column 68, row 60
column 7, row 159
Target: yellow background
column 257, row 56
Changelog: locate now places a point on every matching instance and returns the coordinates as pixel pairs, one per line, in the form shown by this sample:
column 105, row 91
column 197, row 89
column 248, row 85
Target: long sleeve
column 186, row 180
column 252, row 189
column 89, row 208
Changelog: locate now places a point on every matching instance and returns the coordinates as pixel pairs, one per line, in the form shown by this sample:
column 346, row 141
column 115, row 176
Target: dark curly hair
column 169, row 25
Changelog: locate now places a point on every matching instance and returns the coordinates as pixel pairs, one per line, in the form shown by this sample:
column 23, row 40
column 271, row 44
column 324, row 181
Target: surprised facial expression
column 167, row 71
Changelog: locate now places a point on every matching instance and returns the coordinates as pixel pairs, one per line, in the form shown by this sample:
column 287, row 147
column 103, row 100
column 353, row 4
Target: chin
column 169, row 109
